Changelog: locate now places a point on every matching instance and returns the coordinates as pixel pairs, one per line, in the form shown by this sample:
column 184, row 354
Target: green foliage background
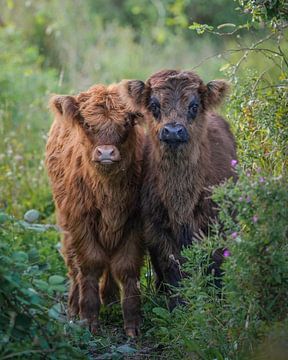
column 64, row 47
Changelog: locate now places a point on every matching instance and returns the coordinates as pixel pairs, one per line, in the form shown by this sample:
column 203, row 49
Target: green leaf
column 57, row 288
column 41, row 284
column 33, row 255
column 56, row 280
column 200, row 28
column 126, row 349
column 4, row 217
column 31, row 216
column 162, row 313
column 55, row 312
column 20, row 256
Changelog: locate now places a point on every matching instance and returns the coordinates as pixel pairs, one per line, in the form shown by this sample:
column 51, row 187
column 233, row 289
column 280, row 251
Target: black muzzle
column 174, row 133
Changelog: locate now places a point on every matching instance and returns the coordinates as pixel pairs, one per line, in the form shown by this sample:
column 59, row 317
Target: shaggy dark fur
column 94, row 160
column 188, row 150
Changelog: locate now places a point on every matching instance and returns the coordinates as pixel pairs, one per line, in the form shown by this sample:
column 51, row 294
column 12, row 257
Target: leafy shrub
column 230, row 323
column 259, row 120
column 266, row 9
column 31, row 295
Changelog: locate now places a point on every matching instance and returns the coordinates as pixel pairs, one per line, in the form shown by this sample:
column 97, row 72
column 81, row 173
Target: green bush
column 267, row 10
column 32, row 286
column 232, row 322
column 259, row 121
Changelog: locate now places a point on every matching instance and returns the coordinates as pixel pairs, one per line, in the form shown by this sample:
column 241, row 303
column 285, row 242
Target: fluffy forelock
column 101, row 99
column 164, row 77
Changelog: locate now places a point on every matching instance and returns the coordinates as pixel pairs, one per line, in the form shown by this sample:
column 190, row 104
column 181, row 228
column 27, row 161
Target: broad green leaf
column 56, row 280
column 41, row 284
column 162, row 313
column 33, row 255
column 57, row 288
column 20, row 256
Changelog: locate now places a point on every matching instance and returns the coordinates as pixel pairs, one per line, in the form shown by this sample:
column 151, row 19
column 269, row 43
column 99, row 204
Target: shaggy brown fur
column 97, row 202
column 176, row 202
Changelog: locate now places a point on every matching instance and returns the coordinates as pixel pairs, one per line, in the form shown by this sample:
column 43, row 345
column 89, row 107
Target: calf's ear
column 216, row 91
column 133, row 93
column 64, row 105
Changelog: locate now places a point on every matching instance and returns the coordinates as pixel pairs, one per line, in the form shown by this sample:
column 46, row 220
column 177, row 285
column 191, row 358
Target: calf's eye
column 193, row 110
column 86, row 126
column 154, row 107
column 129, row 120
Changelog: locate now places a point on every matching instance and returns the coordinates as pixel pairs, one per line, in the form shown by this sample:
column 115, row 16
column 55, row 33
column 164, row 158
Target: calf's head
column 176, row 103
column 105, row 124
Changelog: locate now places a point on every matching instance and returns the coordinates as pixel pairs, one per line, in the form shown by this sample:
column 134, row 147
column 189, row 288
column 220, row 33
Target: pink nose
column 106, row 154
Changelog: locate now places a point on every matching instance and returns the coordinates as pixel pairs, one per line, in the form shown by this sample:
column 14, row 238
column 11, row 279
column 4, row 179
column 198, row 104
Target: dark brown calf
column 188, row 150
column 94, row 160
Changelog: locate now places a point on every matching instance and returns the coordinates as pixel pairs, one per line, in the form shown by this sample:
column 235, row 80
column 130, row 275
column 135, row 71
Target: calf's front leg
column 89, row 300
column 166, row 261
column 73, row 296
column 126, row 269
column 131, row 304
column 91, row 267
column 69, row 257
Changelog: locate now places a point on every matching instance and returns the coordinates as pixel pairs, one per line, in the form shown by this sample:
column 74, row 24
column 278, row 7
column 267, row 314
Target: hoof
column 73, row 312
column 132, row 332
column 73, row 307
column 94, row 327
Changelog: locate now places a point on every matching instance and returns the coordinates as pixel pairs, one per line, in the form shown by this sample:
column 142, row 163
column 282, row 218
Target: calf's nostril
column 180, row 131
column 166, row 131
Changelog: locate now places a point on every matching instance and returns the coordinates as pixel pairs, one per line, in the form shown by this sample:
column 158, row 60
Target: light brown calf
column 94, row 159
